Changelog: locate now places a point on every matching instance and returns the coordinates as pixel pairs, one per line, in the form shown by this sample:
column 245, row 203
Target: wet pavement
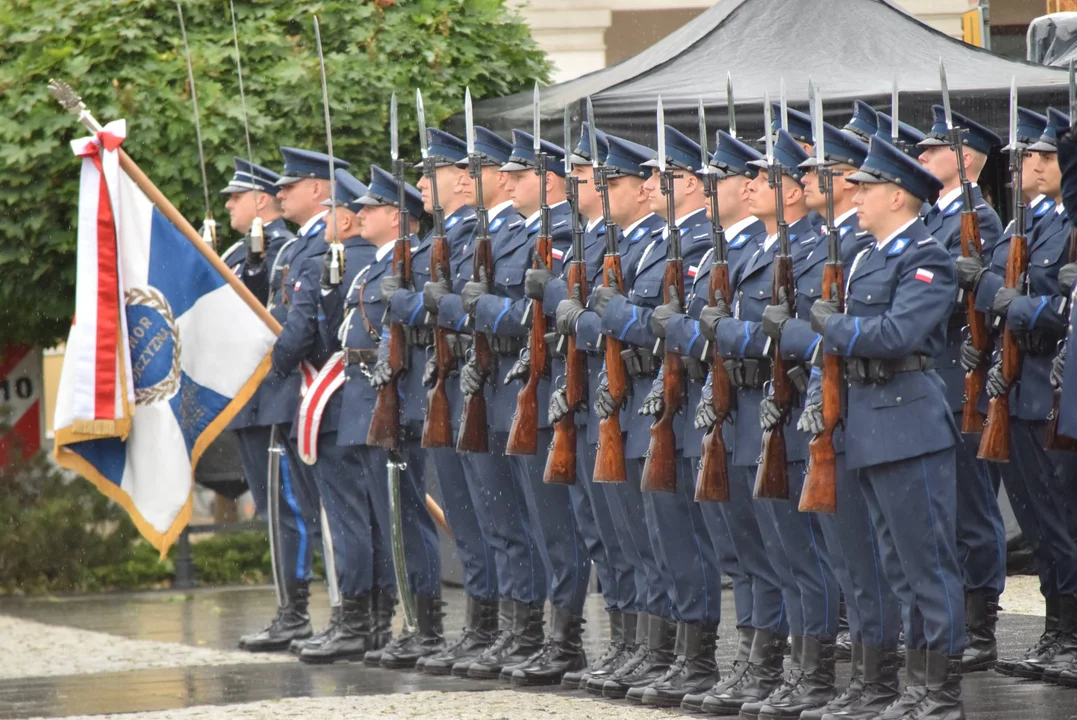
column 217, row 618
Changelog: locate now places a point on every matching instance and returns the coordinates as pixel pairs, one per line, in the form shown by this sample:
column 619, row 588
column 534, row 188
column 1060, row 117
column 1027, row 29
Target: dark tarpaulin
column 1052, row 39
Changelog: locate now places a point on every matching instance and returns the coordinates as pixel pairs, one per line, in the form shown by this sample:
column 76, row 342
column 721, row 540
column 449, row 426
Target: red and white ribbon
column 316, row 397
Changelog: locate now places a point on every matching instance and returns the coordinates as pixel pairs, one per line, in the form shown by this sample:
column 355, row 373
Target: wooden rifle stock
column 561, row 460
column 437, row 426
column 523, row 433
column 610, row 453
column 772, row 477
column 1056, row 440
column 660, row 467
column 712, row 482
column 385, row 422
column 474, row 432
column 972, row 420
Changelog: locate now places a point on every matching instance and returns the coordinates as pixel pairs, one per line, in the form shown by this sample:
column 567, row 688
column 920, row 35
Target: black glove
column 254, row 257
column 430, row 372
column 473, row 290
column 705, row 415
column 602, row 295
column 1001, row 304
column 326, row 280
column 776, row 316
column 661, row 315
column 769, row 414
column 605, row 405
column 380, row 375
column 1058, row 366
column 521, row 369
column 389, row 285
column 971, row 358
column 711, row 315
column 471, row 379
column 568, row 312
column 811, row 420
column 996, row 384
column 434, row 290
column 536, row 280
column 821, row 310
column 1066, row 276
column 969, row 270
column 558, row 405
column 654, row 403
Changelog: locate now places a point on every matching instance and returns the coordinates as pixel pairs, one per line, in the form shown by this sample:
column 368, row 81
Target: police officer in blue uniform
column 682, row 658
column 797, row 548
column 638, row 226
column 302, row 186
column 1035, row 315
column 800, row 128
column 521, row 574
column 900, row 433
column 981, row 533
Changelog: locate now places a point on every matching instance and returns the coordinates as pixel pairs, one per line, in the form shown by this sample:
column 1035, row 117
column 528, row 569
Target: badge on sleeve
column 925, row 276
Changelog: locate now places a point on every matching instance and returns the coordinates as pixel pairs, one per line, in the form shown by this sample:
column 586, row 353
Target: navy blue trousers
column 981, row 531
column 722, row 541
column 375, row 480
column 421, row 549
column 300, row 509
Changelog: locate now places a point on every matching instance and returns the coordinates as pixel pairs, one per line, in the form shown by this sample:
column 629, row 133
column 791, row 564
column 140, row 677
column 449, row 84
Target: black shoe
column 788, row 687
column 428, row 638
column 851, row 692
column 563, row 652
column 614, row 655
column 815, row 687
column 915, row 687
column 384, row 607
column 635, row 693
column 525, row 640
column 693, row 702
column 480, row 631
column 502, row 637
column 319, row 637
column 943, row 700
column 878, row 690
column 292, row 622
column 1036, row 653
column 1065, row 647
column 981, row 617
column 762, row 677
column 697, row 669
column 635, row 654
column 351, row 638
column 661, row 645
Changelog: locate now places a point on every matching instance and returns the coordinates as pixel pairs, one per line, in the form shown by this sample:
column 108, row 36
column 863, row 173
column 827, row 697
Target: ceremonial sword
column 209, row 226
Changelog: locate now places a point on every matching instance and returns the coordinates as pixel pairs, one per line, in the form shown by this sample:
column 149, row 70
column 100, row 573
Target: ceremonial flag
column 162, row 352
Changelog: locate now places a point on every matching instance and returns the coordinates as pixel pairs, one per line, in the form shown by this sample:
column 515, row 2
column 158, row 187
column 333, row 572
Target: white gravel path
column 32, row 649
column 1022, row 596
column 493, row 705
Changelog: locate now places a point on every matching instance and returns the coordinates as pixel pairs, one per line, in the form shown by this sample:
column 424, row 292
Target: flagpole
column 73, row 104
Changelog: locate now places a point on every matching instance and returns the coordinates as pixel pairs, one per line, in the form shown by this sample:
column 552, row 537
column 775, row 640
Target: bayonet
column 767, row 122
column 703, row 151
column 536, row 120
column 256, row 233
column 661, row 119
column 209, row 227
column 945, row 96
column 784, row 105
column 567, row 135
column 816, row 113
column 420, row 112
column 895, row 135
column 730, row 106
column 1012, row 147
column 469, row 122
column 593, row 135
column 955, row 138
column 394, row 130
column 336, row 263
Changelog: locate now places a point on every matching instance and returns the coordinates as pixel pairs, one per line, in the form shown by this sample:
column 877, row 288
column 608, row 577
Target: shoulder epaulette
column 897, row 246
column 557, row 225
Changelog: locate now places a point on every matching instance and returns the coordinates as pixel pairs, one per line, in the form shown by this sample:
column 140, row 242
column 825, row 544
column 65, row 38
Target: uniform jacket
column 1067, row 408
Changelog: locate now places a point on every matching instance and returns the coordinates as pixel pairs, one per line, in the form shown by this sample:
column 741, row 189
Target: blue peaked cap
column 977, row 136
column 1058, row 124
column 1030, row 125
column 681, row 151
column 302, row 164
column 732, row 157
column 349, row 189
column 383, row 190
column 522, row 156
column 886, row 164
column 626, row 158
column 444, row 148
column 788, row 153
column 864, row 122
column 839, row 147
column 491, row 147
column 799, row 123
column 906, row 133
column 249, row 176
column 581, row 154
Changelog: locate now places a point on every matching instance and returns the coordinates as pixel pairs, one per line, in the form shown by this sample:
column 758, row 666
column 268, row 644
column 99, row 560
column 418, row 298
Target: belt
column 506, row 345
column 362, row 356
column 876, row 371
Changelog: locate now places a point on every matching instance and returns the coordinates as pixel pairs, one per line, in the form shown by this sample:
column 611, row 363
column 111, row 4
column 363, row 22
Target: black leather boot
column 879, row 688
column 661, row 644
column 762, row 677
column 480, row 631
column 639, row 651
column 850, row 694
column 816, row 686
column 750, row 710
column 697, row 669
column 502, row 637
column 292, row 622
column 1065, row 647
column 351, row 639
column 525, row 640
column 612, row 657
column 319, row 637
column 693, row 702
column 383, row 606
column 1009, row 666
column 981, row 617
column 428, row 638
column 943, row 701
column 563, row 652
column 915, row 686
column 635, row 693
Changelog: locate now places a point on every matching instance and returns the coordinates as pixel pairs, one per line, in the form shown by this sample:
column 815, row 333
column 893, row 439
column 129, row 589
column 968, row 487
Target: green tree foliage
column 126, row 59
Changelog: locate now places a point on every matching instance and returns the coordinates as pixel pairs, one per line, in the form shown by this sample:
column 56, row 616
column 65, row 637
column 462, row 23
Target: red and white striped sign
column 20, row 402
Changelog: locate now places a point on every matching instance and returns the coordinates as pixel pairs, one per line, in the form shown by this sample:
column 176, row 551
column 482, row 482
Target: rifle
column 820, row 492
column 385, row 422
column 972, row 421
column 995, row 441
column 437, row 427
column 474, row 436
column 660, row 467
column 561, row 460
column 523, row 433
column 712, row 482
column 610, row 453
column 1054, row 439
column 772, row 477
